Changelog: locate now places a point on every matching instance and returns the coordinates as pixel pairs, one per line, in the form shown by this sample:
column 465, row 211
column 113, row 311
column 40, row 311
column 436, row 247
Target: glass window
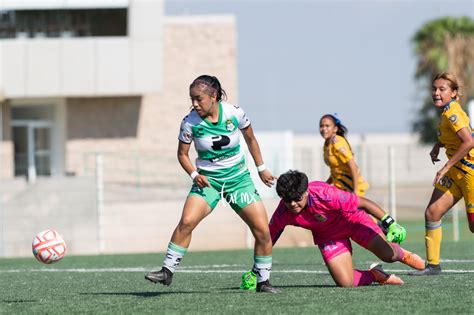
column 63, row 23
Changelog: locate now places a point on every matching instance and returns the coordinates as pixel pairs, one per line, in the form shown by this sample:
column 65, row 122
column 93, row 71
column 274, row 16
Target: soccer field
column 207, row 282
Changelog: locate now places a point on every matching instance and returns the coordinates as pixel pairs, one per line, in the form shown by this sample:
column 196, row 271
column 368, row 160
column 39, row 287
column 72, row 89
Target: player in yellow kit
column 338, row 156
column 455, row 180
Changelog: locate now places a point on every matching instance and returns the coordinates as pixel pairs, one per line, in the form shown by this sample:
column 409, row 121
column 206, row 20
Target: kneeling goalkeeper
column 335, row 217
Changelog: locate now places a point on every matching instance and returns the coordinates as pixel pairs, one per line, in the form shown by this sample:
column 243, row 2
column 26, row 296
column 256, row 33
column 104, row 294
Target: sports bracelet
column 387, row 220
column 194, row 174
column 261, row 168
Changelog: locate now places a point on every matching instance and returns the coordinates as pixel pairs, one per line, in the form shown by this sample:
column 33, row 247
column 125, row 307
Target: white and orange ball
column 49, row 246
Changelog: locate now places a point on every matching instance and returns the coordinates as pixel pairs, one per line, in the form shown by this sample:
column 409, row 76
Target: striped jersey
column 337, row 155
column 217, row 144
column 327, row 214
column 453, row 119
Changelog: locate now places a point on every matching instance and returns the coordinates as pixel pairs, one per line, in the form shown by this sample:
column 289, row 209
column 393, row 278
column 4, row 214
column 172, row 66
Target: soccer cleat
column 430, row 270
column 382, row 277
column 249, row 281
column 164, row 276
column 413, row 260
column 266, row 287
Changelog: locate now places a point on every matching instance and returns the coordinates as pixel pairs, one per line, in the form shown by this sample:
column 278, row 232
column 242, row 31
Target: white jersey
column 217, row 144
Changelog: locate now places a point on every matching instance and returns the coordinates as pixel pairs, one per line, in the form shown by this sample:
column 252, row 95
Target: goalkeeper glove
column 249, row 281
column 395, row 232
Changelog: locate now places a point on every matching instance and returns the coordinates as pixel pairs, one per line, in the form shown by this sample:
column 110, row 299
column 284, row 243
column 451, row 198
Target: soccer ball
column 48, row 246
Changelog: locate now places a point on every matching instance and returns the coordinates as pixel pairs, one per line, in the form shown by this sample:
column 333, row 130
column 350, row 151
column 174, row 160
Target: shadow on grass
column 308, row 286
column 147, row 294
column 237, row 289
column 18, row 301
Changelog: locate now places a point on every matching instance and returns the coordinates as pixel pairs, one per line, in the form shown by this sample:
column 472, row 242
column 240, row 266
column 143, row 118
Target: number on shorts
column 446, row 181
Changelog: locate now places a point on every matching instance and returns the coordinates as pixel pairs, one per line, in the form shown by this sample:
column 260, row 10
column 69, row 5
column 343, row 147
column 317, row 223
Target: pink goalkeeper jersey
column 327, row 214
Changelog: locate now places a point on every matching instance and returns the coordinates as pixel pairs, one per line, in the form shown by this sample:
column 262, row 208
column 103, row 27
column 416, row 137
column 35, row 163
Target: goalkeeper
column 334, row 217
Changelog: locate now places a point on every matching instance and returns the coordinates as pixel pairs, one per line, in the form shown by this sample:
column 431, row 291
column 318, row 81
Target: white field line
column 89, row 270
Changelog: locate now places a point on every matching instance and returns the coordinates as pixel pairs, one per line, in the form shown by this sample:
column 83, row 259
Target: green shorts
column 238, row 191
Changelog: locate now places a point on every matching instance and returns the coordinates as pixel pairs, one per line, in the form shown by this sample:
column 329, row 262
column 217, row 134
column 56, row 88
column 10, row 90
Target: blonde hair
column 453, row 82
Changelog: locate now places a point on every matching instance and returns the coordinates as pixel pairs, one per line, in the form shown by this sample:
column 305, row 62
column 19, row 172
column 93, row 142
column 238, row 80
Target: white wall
column 94, row 66
column 61, row 4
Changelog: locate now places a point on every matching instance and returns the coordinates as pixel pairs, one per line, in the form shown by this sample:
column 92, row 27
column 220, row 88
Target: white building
column 86, row 76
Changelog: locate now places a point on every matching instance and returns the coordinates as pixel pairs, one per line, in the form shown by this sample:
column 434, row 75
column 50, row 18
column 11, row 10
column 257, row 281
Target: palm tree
column 445, row 44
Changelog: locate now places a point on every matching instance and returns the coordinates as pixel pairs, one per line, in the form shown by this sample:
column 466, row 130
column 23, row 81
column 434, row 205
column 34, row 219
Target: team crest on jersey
column 319, row 217
column 229, row 125
column 453, row 118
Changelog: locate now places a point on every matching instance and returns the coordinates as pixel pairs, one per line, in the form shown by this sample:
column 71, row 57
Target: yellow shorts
column 460, row 184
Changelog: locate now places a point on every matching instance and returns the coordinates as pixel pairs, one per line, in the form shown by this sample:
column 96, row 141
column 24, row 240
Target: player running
column 220, row 172
column 455, row 180
column 334, row 217
column 338, row 156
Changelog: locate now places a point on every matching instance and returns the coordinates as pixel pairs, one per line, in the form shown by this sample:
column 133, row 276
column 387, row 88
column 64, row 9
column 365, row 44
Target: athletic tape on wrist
column 194, row 174
column 261, row 168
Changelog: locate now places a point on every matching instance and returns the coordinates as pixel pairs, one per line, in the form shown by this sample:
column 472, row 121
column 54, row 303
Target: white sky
column 299, row 59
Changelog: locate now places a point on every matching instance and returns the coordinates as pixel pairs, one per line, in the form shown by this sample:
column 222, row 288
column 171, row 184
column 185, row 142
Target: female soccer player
column 338, row 156
column 220, row 172
column 334, row 217
column 455, row 180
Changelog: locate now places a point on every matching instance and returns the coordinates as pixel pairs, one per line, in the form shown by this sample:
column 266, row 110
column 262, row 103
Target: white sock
column 173, row 257
column 262, row 267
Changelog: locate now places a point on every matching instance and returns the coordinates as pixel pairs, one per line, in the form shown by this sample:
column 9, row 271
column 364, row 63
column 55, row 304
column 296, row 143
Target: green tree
column 445, row 44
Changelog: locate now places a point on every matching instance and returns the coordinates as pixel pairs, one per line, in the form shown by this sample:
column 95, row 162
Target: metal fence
column 131, row 202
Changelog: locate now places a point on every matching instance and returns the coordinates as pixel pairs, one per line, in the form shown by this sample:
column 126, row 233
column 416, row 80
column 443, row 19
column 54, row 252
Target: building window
column 63, row 23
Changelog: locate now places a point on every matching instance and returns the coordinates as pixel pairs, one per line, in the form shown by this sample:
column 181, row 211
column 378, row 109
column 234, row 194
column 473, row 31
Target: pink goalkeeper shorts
column 362, row 230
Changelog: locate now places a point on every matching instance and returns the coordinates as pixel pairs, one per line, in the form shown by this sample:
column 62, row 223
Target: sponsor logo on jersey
column 453, row 118
column 186, row 135
column 229, row 125
column 319, row 217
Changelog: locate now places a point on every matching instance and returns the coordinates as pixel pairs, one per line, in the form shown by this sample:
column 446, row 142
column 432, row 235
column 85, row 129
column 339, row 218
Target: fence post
column 2, row 224
column 99, row 176
column 455, row 217
column 363, row 158
column 391, row 182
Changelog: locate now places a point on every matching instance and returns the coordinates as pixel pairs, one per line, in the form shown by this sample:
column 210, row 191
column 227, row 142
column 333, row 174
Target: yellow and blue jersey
column 337, row 155
column 453, row 119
